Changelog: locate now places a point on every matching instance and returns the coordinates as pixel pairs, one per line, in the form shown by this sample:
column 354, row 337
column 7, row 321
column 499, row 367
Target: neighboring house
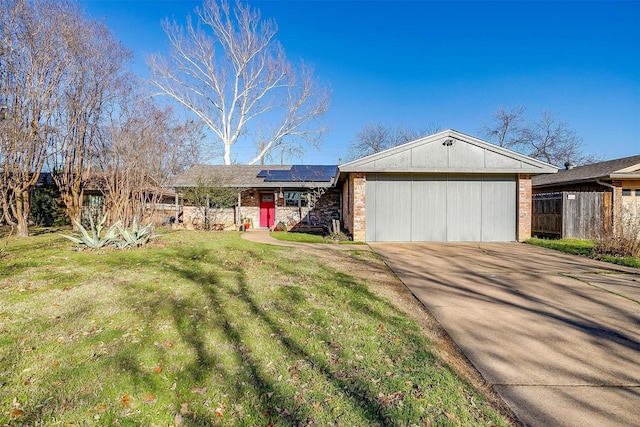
column 159, row 202
column 266, row 194
column 580, row 201
column 447, row 187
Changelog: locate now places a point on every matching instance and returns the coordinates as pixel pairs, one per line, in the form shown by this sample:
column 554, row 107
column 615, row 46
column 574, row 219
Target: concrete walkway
column 260, row 235
column 558, row 336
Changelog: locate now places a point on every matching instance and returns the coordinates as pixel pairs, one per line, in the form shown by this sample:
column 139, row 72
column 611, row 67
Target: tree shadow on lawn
column 276, row 403
column 216, row 356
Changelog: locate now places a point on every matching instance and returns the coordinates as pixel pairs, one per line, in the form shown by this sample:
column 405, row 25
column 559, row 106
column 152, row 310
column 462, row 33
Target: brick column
column 359, row 181
column 524, row 207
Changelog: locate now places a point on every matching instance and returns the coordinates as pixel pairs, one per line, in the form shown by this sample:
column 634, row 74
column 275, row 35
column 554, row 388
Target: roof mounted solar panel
column 277, row 175
column 300, row 173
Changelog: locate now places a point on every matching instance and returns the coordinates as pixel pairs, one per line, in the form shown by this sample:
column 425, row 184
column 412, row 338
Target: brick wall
column 524, row 207
column 326, row 209
column 358, row 200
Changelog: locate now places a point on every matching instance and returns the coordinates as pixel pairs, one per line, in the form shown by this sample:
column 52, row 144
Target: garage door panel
column 371, row 202
column 464, row 209
column 429, row 209
column 392, row 208
column 498, row 209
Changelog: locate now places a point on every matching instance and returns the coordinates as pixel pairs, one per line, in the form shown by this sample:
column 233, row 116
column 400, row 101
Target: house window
column 638, row 192
column 626, row 191
column 93, row 200
column 295, row 199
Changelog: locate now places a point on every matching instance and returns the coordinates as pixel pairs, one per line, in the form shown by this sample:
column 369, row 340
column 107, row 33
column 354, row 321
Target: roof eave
column 452, row 170
column 624, row 176
column 268, row 185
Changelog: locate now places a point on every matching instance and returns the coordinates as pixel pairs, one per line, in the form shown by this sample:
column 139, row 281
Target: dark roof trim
column 623, row 168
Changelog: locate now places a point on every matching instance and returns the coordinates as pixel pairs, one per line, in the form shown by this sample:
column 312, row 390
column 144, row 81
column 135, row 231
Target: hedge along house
column 264, row 194
column 580, row 201
column 446, row 187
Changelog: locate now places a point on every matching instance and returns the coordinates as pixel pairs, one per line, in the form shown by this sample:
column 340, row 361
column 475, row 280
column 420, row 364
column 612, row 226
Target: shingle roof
column 628, row 166
column 243, row 176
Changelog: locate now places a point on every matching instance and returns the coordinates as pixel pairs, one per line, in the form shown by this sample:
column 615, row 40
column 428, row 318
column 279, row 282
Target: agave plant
column 135, row 236
column 94, row 238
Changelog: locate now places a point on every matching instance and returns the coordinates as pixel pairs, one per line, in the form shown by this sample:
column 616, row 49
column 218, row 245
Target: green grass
column 307, row 238
column 583, row 248
column 206, row 329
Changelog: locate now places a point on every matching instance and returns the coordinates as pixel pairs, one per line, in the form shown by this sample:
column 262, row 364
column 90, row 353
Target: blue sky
column 421, row 64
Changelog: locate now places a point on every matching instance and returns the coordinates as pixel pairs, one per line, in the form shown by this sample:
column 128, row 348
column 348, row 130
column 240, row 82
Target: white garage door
column 440, row 208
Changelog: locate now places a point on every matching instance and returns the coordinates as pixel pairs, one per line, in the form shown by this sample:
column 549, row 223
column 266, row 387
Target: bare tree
column 33, row 60
column 141, row 146
column 96, row 62
column 373, row 138
column 236, row 77
column 553, row 141
column 548, row 138
column 508, row 129
column 211, row 195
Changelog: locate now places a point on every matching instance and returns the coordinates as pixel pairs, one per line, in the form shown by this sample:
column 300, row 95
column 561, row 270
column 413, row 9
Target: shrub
column 116, row 235
column 92, row 238
column 46, row 207
column 625, row 240
column 136, row 236
column 338, row 236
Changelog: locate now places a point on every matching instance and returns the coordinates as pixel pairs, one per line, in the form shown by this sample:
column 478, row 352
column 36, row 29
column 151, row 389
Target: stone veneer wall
column 327, row 208
column 347, row 205
column 250, row 208
column 525, row 211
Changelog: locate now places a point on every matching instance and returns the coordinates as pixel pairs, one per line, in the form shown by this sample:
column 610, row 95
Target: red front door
column 267, row 210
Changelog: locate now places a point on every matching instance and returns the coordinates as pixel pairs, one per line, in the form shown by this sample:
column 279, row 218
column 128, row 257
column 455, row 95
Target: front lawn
column 204, row 329
column 584, row 248
column 292, row 236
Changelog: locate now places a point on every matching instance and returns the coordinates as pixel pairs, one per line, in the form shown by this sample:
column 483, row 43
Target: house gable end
column 448, row 151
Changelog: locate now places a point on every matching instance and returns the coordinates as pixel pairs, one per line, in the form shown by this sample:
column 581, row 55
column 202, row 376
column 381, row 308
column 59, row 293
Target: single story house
column 266, row 195
column 446, row 187
column 581, row 200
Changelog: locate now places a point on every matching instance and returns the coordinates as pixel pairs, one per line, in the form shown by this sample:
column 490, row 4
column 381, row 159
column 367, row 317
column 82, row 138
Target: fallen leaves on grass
column 125, row 401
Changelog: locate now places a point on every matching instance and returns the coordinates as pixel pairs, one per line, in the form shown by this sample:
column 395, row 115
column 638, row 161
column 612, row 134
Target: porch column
column 175, row 220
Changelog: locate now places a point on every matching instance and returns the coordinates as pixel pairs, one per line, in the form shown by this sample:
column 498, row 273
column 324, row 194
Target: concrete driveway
column 558, row 336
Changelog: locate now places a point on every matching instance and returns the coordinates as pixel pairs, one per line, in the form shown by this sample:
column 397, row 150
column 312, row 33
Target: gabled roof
column 625, row 168
column 448, row 151
column 258, row 176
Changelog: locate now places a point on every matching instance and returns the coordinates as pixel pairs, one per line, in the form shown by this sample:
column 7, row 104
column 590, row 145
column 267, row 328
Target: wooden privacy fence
column 571, row 215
